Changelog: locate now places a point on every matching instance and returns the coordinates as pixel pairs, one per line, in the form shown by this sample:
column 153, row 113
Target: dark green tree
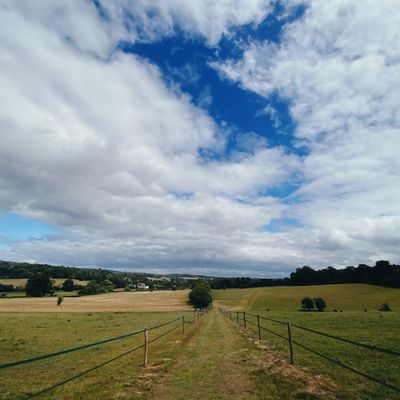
column 200, row 295
column 39, row 285
column 320, row 303
column 68, row 285
column 307, row 303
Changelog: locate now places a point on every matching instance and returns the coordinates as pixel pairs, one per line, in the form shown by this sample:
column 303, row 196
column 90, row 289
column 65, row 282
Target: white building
column 142, row 286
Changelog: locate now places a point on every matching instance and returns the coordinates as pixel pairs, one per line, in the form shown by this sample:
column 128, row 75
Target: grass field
column 30, row 334
column 108, row 302
column 22, row 282
column 371, row 327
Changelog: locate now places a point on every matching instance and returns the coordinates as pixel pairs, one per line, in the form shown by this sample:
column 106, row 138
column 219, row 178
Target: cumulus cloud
column 338, row 66
column 94, row 142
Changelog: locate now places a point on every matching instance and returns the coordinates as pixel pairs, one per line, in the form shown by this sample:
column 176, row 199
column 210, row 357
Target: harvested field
column 108, row 302
column 21, row 282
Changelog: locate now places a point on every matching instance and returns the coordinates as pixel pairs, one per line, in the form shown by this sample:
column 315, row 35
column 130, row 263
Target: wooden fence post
column 244, row 320
column 258, row 326
column 289, row 327
column 183, row 324
column 194, row 316
column 237, row 317
column 146, row 347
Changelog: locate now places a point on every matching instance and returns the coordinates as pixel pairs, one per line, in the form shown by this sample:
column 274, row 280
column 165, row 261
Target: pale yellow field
column 21, row 282
column 110, row 302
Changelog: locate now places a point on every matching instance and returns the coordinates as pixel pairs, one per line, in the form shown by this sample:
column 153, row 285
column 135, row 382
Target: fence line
column 181, row 324
column 327, row 358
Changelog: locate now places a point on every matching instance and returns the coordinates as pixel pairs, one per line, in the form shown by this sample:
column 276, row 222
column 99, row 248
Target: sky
column 227, row 138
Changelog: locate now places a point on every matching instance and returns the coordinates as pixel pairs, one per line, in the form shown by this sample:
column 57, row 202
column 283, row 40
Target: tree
column 92, row 288
column 320, row 303
column 39, row 285
column 200, row 295
column 307, row 303
column 60, row 299
column 68, row 285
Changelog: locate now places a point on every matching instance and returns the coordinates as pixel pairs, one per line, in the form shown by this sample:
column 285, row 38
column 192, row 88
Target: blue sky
column 239, row 137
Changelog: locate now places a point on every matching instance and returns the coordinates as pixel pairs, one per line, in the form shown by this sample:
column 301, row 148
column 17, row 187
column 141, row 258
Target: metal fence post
column 291, row 352
column 146, row 347
column 244, row 320
column 258, row 327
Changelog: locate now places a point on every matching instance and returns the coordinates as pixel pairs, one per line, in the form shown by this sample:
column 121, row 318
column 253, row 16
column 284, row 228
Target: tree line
column 382, row 273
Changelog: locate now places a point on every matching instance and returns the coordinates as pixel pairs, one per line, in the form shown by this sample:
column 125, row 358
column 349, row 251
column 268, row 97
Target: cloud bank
column 95, row 142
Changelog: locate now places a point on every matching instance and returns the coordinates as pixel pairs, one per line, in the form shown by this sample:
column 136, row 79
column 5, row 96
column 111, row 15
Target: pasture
column 351, row 321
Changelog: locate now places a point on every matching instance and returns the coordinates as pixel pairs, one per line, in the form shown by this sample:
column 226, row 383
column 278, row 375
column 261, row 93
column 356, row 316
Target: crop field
column 108, row 302
column 21, row 282
column 357, row 318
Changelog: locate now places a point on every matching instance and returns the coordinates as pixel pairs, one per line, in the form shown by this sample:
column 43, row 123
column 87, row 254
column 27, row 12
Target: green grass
column 26, row 335
column 371, row 327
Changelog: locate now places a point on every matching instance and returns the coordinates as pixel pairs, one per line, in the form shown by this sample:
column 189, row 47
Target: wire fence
column 179, row 322
column 242, row 319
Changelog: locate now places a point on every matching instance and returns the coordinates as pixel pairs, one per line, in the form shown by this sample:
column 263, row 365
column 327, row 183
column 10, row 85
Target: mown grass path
column 219, row 362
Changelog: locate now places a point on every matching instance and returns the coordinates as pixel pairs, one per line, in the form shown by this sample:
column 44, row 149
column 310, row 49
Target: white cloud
column 339, row 67
column 94, row 142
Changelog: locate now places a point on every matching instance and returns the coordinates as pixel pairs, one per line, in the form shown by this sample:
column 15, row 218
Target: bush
column 385, row 307
column 7, row 288
column 92, row 288
column 320, row 303
column 307, row 303
column 200, row 295
column 60, row 299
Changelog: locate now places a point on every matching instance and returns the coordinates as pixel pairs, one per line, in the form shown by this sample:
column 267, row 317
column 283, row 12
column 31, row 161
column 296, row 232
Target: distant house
column 142, row 286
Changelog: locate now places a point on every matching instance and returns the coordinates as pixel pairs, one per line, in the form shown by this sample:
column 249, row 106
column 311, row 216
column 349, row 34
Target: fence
column 242, row 319
column 179, row 322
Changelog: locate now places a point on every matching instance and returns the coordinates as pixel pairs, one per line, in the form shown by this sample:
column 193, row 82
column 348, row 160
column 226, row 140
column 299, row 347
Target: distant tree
column 108, row 285
column 60, row 299
column 92, row 288
column 119, row 282
column 320, row 303
column 39, row 285
column 68, row 285
column 385, row 307
column 200, row 295
column 307, row 303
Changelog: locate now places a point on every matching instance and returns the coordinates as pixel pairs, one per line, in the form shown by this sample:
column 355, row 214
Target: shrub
column 307, row 303
column 60, row 299
column 92, row 288
column 385, row 307
column 320, row 303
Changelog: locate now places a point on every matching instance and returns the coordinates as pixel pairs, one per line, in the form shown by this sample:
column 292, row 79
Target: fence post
column 194, row 316
column 237, row 317
column 258, row 326
column 244, row 320
column 289, row 327
column 146, row 347
column 183, row 324
column 230, row 315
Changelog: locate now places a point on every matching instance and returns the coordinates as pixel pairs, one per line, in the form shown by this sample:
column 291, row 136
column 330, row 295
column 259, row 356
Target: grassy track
column 220, row 363
column 371, row 327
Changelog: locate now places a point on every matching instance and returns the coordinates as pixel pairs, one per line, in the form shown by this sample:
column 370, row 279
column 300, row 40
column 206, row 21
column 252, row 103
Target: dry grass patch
column 108, row 302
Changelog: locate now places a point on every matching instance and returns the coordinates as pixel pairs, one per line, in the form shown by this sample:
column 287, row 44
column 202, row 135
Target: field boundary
column 179, row 321
column 242, row 320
